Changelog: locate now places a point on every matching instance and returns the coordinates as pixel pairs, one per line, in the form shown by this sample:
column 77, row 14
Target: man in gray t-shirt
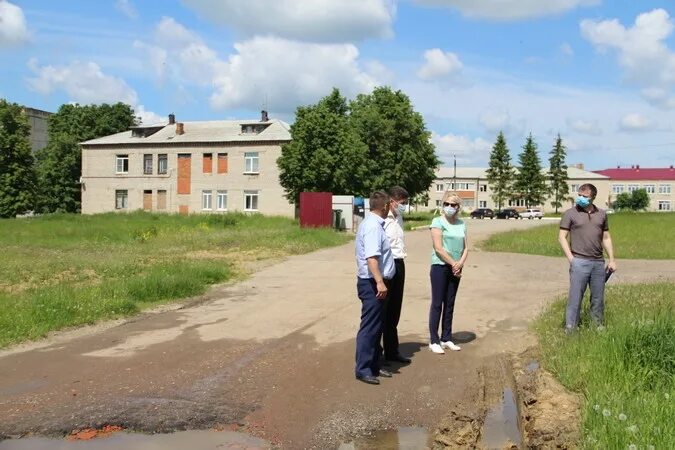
column 588, row 232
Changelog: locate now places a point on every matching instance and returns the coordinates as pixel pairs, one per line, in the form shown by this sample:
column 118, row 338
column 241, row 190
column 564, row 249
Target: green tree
column 557, row 174
column 640, row 199
column 325, row 153
column 59, row 164
column 400, row 151
column 500, row 173
column 623, row 201
column 530, row 183
column 17, row 172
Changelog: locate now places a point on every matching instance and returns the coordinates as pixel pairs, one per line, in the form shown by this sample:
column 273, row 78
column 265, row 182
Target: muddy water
column 500, row 428
column 404, row 438
column 182, row 440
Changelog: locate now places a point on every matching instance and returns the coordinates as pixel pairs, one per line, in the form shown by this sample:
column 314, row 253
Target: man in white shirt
column 393, row 227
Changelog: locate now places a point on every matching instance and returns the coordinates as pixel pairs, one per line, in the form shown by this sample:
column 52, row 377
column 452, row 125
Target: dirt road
column 275, row 353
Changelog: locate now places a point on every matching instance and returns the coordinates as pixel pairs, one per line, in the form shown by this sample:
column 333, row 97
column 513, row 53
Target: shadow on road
column 463, row 337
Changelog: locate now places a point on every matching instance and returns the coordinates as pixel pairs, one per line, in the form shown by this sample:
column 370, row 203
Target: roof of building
column 200, row 132
column 573, row 173
column 639, row 173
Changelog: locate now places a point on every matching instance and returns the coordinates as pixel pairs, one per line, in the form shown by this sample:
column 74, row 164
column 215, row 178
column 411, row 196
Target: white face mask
column 400, row 208
column 449, row 211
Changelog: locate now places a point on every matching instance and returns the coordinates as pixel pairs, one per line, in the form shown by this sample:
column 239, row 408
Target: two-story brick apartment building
column 658, row 182
column 187, row 167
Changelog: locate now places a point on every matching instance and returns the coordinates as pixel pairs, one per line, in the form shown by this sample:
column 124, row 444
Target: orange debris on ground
column 91, row 433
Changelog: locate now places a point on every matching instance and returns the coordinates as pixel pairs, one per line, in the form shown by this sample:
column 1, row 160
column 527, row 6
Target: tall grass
column 65, row 270
column 625, row 372
column 634, row 235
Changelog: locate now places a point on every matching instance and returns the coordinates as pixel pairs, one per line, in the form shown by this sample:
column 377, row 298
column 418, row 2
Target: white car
column 532, row 214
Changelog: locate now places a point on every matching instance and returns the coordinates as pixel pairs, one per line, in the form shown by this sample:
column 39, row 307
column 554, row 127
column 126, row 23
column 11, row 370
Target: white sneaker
column 450, row 345
column 436, row 348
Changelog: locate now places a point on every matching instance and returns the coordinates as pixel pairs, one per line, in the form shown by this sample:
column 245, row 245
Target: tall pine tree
column 530, row 184
column 557, row 174
column 500, row 174
column 17, row 172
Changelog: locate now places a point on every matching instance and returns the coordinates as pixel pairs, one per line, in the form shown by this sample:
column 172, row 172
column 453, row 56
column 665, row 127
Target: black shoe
column 400, row 358
column 368, row 379
column 386, row 373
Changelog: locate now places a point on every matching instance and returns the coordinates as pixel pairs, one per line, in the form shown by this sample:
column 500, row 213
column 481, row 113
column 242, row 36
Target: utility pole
column 454, row 173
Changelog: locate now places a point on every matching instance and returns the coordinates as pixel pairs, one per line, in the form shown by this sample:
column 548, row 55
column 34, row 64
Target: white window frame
column 438, row 203
column 254, row 197
column 574, row 188
column 120, row 161
column 439, row 187
column 207, row 200
column 252, row 162
column 149, row 166
column 162, row 158
column 664, row 205
column 664, row 189
column 650, row 188
column 468, row 203
column 633, row 187
column 617, row 188
column 121, row 199
column 518, row 202
column 482, row 188
column 221, row 200
column 482, row 204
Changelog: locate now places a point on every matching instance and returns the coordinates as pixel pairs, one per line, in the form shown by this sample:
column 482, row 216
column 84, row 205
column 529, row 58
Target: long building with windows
column 187, row 167
column 658, row 182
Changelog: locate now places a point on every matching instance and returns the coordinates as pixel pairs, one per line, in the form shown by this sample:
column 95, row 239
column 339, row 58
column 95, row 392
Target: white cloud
column 315, row 20
column 566, row 49
column 467, row 150
column 590, row 127
column 635, row 122
column 285, row 73
column 495, row 121
column 510, row 9
column 13, row 29
column 642, row 52
column 127, row 8
column 439, row 64
column 148, row 117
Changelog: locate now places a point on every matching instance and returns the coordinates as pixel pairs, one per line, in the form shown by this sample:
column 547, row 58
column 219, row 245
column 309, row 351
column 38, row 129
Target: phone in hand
column 608, row 274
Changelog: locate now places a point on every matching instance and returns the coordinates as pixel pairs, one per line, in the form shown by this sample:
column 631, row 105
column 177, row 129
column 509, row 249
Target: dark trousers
column 444, row 287
column 368, row 349
column 393, row 311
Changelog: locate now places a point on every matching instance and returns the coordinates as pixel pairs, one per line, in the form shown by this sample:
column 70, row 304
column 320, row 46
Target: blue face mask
column 583, row 201
column 400, row 208
column 449, row 211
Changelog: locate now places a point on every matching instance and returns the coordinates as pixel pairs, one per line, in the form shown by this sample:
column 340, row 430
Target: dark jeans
column 368, row 349
column 444, row 287
column 393, row 311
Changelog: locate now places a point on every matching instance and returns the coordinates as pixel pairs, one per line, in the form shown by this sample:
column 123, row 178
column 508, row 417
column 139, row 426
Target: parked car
column 532, row 214
column 482, row 213
column 508, row 213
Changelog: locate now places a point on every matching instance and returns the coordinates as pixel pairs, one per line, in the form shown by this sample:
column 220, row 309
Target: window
column 617, row 188
column 574, row 188
column 207, row 163
column 664, row 189
column 222, row 200
column 664, row 205
column 147, row 164
column 206, row 200
column 650, row 188
column 482, row 187
column 519, row 202
column 147, row 199
column 438, row 203
column 222, row 162
column 252, row 162
column 161, row 200
column 162, row 164
column 121, row 199
column 122, row 164
column 439, row 188
column 482, row 204
column 250, row 200
column 633, row 187
column 463, row 186
column 468, row 203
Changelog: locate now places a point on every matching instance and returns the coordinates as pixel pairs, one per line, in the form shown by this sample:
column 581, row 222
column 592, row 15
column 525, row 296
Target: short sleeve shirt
column 371, row 240
column 453, row 239
column 586, row 230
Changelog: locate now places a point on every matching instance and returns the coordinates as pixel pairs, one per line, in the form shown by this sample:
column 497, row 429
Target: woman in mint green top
column 450, row 249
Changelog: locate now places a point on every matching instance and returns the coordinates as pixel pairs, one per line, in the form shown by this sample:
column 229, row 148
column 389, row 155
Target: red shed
column 316, row 209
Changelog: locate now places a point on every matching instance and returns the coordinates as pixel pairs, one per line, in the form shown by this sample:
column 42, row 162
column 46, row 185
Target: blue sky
column 599, row 72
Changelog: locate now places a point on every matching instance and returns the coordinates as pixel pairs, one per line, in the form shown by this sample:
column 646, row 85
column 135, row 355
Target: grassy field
column 635, row 236
column 416, row 219
column 65, row 270
column 625, row 373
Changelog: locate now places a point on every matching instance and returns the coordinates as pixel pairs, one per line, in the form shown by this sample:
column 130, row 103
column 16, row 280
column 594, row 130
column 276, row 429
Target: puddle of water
column 501, row 424
column 405, row 438
column 532, row 366
column 181, row 440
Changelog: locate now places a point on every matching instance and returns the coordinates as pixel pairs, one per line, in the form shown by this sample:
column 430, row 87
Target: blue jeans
column 586, row 272
column 444, row 287
column 368, row 348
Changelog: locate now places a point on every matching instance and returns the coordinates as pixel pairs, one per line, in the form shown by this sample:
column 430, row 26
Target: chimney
column 632, row 166
column 618, row 166
column 579, row 166
column 637, row 167
column 172, row 119
column 263, row 116
column 671, row 167
column 180, row 128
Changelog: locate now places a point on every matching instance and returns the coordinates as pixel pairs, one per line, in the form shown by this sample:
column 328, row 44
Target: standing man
column 393, row 227
column 375, row 265
column 588, row 232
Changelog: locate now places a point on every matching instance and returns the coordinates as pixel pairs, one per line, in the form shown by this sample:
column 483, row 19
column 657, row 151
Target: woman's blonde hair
column 452, row 197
